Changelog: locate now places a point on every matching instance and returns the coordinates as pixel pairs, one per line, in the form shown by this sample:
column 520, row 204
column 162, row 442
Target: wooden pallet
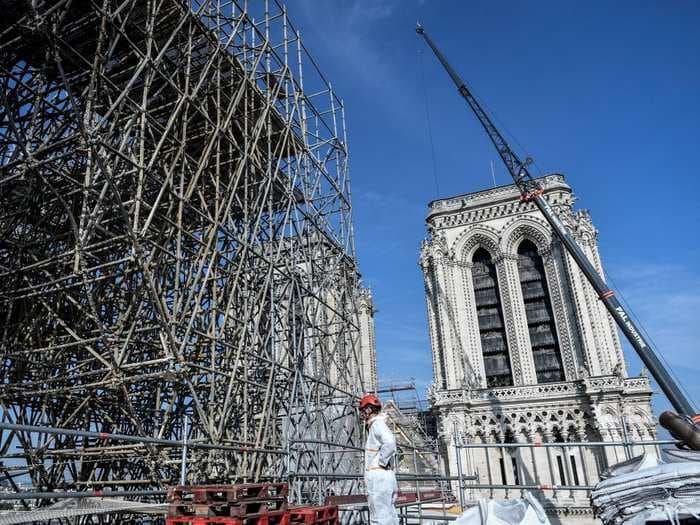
column 324, row 515
column 233, row 501
column 282, row 519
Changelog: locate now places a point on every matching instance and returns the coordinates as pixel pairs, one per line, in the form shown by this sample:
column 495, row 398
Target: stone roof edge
column 491, row 196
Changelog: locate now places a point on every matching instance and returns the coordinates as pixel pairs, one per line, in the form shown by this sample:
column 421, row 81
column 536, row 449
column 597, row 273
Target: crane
column 532, row 191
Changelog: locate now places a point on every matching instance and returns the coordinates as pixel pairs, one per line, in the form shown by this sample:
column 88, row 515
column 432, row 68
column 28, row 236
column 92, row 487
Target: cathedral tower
column 523, row 351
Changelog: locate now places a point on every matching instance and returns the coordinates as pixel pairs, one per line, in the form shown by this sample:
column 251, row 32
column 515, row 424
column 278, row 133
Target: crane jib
column 531, row 191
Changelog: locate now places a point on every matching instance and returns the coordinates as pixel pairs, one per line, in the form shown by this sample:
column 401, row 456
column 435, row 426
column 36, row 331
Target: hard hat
column 370, row 400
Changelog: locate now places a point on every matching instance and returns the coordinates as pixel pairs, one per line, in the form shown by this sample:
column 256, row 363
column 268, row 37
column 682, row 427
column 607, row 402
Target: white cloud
column 363, row 12
column 350, row 32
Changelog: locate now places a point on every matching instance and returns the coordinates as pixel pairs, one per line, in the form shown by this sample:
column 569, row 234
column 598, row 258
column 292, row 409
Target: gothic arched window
column 491, row 326
column 540, row 320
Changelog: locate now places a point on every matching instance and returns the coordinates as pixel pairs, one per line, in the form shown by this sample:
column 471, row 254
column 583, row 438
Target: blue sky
column 604, row 92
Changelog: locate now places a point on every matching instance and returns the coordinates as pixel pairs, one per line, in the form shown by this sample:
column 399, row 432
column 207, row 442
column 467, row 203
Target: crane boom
column 531, row 190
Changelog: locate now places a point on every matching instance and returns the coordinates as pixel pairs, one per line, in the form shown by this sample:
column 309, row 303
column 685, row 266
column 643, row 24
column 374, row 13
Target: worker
column 380, row 480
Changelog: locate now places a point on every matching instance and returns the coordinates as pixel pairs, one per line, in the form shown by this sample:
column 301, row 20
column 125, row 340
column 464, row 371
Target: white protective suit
column 380, row 481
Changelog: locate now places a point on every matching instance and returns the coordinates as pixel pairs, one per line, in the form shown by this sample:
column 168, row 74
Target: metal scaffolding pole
column 175, row 238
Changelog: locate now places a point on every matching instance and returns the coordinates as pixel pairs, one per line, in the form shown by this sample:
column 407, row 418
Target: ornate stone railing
column 544, row 391
column 460, row 200
column 511, row 393
column 637, row 384
column 615, row 382
column 610, row 382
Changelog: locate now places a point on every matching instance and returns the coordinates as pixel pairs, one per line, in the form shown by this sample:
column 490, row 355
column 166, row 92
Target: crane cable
column 429, row 126
column 428, row 121
column 654, row 346
column 617, row 289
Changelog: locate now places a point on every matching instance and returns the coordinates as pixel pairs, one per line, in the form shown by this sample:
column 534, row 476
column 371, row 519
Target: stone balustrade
column 547, row 390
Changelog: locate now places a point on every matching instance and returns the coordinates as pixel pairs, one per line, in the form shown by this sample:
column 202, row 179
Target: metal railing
column 574, row 475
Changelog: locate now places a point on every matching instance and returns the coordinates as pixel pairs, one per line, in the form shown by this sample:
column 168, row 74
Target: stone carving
column 511, row 191
column 520, row 228
column 471, row 238
column 564, row 329
column 441, row 397
column 617, row 369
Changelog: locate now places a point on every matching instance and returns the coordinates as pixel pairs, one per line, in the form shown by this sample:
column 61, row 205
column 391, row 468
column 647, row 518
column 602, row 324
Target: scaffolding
column 560, row 473
column 176, row 250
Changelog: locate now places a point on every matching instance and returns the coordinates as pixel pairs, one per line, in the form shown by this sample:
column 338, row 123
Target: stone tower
column 523, row 350
column 368, row 344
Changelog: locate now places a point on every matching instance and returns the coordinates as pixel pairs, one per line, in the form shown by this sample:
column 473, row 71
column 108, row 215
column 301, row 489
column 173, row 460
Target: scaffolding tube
column 176, row 220
column 133, row 439
column 86, row 494
column 439, row 517
column 399, row 477
column 529, row 487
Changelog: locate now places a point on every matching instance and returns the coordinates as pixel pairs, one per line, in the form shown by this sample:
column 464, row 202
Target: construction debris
column 647, row 488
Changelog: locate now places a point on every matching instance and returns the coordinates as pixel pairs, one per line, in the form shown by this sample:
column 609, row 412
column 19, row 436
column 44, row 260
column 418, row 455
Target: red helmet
column 370, row 400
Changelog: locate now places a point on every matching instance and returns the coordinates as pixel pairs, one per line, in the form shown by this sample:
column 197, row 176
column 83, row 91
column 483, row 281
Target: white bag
column 526, row 511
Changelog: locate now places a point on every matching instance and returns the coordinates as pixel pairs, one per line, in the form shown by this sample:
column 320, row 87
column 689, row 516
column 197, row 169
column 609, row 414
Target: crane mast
column 532, row 191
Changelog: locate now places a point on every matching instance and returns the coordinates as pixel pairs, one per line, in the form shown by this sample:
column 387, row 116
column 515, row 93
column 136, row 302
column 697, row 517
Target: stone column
column 614, row 454
column 470, row 465
column 608, row 326
column 445, row 318
column 541, row 465
column 585, row 319
column 368, row 351
column 482, row 465
column 448, row 436
column 430, row 266
column 493, row 469
column 524, row 460
column 451, row 326
column 564, row 325
column 588, row 464
column 516, row 322
column 554, row 479
column 468, row 326
column 599, row 334
column 566, row 454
